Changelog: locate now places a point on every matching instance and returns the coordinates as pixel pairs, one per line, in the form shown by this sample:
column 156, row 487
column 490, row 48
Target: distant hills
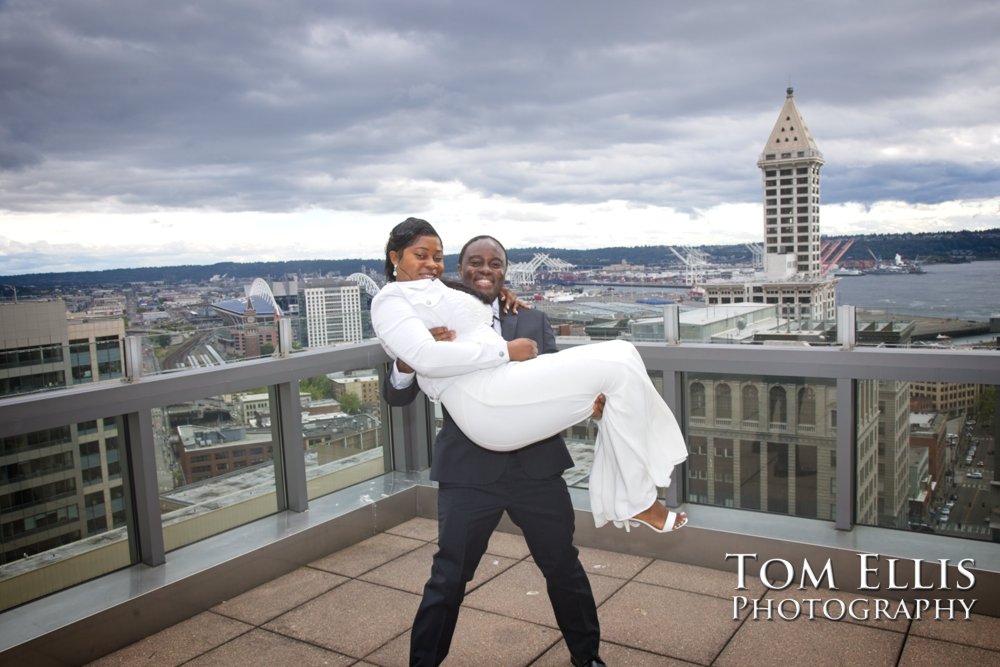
column 928, row 247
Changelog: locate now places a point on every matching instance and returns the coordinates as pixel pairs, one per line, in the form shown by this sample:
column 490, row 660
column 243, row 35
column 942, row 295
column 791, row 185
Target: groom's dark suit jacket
column 458, row 460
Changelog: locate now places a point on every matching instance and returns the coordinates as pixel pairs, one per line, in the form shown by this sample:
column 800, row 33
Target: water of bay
column 968, row 291
column 962, row 291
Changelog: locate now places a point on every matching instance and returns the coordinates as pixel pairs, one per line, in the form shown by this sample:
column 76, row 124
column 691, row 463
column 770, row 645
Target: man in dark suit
column 476, row 486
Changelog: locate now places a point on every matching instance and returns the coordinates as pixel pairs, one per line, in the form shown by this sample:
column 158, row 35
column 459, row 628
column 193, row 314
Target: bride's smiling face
column 422, row 259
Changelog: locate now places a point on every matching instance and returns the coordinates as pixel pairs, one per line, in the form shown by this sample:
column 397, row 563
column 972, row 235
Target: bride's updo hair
column 403, row 236
column 406, row 234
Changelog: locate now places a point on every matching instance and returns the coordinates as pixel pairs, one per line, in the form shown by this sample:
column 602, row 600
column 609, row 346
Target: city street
column 965, row 506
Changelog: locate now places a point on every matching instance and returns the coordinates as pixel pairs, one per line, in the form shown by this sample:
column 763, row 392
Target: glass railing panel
column 185, row 348
column 736, row 323
column 750, row 323
column 62, row 512
column 926, row 458
column 344, row 429
column 580, row 439
column 214, row 464
column 331, row 329
column 299, row 328
column 761, row 443
column 886, row 328
column 30, row 369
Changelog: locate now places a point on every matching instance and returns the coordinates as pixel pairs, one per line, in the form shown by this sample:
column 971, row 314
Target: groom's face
column 484, row 267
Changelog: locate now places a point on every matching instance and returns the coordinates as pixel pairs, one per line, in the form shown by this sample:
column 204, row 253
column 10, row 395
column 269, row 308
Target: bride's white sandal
column 668, row 525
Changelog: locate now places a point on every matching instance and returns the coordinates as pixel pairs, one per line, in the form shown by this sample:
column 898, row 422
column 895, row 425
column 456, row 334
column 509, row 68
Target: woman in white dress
column 504, row 396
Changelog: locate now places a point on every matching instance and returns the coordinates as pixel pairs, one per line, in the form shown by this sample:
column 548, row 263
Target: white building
column 792, row 275
column 333, row 312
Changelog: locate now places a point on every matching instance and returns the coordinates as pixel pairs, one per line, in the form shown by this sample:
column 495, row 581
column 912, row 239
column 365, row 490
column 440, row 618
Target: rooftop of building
column 655, row 613
column 354, row 606
column 923, row 420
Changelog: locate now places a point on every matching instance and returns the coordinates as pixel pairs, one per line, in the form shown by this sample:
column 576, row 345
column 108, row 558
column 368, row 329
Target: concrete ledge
column 98, row 617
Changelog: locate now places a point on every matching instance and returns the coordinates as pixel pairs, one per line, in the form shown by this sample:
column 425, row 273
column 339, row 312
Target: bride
column 504, row 396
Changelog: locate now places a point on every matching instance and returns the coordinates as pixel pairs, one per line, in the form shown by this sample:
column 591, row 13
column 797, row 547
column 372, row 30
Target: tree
column 319, row 387
column 350, row 403
column 163, row 340
column 986, row 405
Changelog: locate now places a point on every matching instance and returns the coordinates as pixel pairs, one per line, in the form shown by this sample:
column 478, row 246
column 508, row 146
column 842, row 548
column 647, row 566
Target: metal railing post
column 847, row 327
column 288, row 450
column 672, row 324
column 133, row 358
column 284, row 338
column 142, row 514
column 672, row 393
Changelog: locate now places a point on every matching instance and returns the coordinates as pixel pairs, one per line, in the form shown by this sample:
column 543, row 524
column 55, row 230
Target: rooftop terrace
column 354, row 606
column 334, row 577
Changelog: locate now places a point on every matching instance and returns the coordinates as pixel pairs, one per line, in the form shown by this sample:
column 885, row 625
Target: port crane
column 831, row 252
column 523, row 273
column 757, row 250
column 696, row 262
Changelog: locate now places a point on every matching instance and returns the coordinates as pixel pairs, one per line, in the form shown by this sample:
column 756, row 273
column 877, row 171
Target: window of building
column 778, row 405
column 750, row 403
column 697, row 397
column 723, row 401
column 807, row 406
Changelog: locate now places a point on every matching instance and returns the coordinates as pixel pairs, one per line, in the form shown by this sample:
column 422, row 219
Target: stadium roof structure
column 259, row 297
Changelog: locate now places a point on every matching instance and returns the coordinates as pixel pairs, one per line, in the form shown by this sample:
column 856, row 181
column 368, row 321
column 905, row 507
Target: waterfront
column 968, row 291
column 960, row 291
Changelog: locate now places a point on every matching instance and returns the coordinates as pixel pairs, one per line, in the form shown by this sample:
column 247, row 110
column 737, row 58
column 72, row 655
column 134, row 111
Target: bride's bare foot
column 655, row 516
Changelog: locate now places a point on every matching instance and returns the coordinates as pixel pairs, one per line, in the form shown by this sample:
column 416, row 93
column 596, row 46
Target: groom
column 476, row 486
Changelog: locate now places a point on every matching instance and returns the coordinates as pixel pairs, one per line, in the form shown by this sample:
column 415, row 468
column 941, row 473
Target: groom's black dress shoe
column 594, row 662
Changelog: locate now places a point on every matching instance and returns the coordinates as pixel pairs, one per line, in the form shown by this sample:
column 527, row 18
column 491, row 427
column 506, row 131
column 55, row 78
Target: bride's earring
column 394, row 268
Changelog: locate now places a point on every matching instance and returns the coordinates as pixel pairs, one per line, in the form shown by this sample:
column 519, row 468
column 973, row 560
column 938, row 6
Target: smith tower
column 793, row 276
column 769, row 443
column 790, row 166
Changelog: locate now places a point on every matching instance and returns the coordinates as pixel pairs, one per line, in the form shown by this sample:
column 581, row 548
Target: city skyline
column 156, row 136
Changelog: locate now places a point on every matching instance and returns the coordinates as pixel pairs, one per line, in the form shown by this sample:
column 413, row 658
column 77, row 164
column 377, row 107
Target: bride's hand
column 509, row 301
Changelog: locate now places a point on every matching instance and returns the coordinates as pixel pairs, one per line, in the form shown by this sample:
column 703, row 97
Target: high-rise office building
column 333, row 312
column 790, row 165
column 65, row 483
column 762, row 444
column 792, row 275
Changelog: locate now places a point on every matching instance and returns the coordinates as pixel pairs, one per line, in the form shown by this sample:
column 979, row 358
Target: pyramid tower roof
column 790, row 133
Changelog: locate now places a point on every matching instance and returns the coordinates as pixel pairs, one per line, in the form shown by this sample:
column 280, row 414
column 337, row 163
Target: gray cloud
column 261, row 106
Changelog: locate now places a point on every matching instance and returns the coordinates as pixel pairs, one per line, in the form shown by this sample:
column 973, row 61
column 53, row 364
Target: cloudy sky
column 145, row 133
